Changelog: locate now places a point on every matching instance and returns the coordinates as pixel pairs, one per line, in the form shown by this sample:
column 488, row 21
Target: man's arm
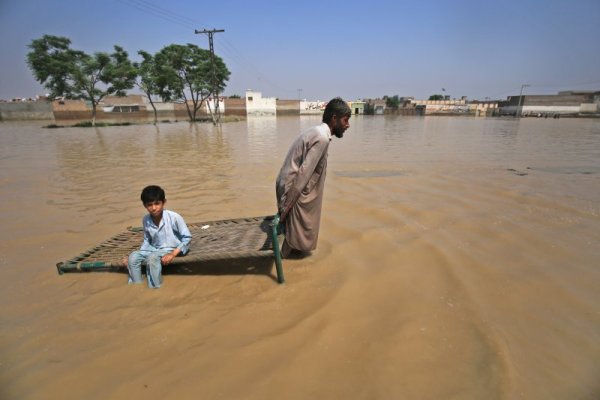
column 305, row 172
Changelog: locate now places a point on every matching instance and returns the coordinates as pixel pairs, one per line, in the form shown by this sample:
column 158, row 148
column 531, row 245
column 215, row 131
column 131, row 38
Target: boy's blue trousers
column 153, row 266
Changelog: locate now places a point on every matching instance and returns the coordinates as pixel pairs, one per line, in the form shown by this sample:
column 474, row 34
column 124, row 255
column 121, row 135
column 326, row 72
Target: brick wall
column 235, row 107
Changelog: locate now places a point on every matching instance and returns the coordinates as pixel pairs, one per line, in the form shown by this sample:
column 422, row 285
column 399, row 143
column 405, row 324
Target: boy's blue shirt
column 171, row 233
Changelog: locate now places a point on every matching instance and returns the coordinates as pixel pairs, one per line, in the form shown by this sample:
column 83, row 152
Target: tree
column 51, row 61
column 77, row 75
column 436, row 97
column 392, row 102
column 369, row 108
column 184, row 73
column 114, row 70
column 148, row 78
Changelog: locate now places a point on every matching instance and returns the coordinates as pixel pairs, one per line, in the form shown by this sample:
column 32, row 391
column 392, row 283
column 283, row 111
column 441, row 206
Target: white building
column 258, row 105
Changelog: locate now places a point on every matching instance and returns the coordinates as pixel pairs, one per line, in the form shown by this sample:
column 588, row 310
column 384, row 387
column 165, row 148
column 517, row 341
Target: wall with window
column 258, row 105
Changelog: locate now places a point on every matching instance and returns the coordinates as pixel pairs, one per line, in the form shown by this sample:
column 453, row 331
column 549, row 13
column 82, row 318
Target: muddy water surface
column 458, row 259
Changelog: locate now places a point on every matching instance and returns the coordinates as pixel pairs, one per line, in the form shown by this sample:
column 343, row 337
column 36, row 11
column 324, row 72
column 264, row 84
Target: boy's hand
column 167, row 258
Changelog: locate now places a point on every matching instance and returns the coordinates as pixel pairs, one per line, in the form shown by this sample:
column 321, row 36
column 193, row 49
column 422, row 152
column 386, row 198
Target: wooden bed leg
column 59, row 268
column 275, row 240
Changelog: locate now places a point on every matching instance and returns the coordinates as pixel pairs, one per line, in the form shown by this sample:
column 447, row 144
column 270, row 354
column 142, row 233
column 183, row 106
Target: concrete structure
column 410, row 106
column 133, row 107
column 31, row 110
column 484, row 108
column 439, row 107
column 578, row 103
column 312, row 107
column 132, row 99
column 110, row 108
column 258, row 105
column 137, row 107
column 375, row 106
column 288, row 107
column 380, row 107
column 124, row 104
column 357, row 107
column 236, row 106
column 164, row 111
column 179, row 111
column 72, row 109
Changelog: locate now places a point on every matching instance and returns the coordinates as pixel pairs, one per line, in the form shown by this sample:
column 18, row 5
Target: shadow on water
column 238, row 266
column 569, row 170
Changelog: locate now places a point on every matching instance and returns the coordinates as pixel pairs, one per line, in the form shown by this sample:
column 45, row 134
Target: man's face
column 155, row 208
column 340, row 126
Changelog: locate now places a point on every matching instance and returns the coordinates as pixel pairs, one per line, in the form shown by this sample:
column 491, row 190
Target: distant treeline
column 183, row 73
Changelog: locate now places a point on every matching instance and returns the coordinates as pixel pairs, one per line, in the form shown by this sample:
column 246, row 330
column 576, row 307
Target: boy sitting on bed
column 165, row 237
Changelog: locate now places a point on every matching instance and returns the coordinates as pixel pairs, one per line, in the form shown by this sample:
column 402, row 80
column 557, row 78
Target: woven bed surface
column 211, row 240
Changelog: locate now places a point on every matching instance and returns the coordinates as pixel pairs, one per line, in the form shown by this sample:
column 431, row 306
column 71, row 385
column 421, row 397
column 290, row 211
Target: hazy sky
column 354, row 49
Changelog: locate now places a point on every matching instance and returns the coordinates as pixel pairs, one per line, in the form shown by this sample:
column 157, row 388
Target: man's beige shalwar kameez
column 300, row 184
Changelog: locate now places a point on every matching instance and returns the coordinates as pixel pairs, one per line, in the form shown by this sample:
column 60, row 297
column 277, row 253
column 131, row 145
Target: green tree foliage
column 77, row 75
column 51, row 61
column 392, row 102
column 148, row 78
column 436, row 97
column 184, row 73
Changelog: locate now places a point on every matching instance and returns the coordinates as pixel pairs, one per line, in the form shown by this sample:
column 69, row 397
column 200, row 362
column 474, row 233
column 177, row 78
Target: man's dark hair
column 337, row 107
column 152, row 193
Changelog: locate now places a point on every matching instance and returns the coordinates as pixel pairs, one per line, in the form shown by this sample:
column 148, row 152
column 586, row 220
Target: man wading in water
column 301, row 181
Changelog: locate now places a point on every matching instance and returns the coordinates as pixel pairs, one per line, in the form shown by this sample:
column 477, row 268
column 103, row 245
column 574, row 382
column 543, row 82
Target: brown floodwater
column 458, row 259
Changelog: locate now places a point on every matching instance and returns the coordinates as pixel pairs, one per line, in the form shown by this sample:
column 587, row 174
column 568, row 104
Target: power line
column 159, row 12
column 245, row 62
column 232, row 52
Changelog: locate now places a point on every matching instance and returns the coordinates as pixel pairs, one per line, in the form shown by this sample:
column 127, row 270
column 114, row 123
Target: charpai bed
column 211, row 241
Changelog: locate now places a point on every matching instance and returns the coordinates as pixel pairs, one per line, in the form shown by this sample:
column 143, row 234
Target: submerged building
column 256, row 104
column 575, row 103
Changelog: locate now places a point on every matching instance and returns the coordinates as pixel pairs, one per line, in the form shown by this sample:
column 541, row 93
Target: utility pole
column 299, row 94
column 215, row 90
column 518, row 113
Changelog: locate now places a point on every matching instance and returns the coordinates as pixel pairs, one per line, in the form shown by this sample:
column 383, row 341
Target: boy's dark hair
column 338, row 107
column 152, row 193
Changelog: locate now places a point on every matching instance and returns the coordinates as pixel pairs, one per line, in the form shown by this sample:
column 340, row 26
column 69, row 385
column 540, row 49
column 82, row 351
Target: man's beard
column 338, row 132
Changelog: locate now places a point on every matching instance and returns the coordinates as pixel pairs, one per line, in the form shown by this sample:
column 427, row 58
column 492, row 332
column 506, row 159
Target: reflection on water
column 457, row 259
column 261, row 137
column 186, row 158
